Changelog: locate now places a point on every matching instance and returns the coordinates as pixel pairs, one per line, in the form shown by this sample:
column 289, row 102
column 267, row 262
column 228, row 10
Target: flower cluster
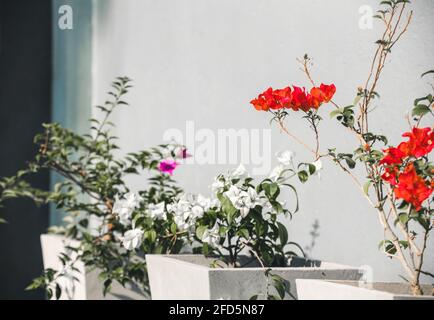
column 401, row 167
column 244, row 216
column 296, row 98
column 172, row 154
column 243, row 200
column 188, row 208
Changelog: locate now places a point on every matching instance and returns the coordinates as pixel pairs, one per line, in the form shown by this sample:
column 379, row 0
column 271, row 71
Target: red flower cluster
column 412, row 187
column 296, row 98
column 408, row 185
column 420, row 143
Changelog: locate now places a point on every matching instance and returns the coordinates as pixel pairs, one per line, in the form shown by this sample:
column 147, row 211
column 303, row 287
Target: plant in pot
column 397, row 181
column 242, row 250
column 91, row 254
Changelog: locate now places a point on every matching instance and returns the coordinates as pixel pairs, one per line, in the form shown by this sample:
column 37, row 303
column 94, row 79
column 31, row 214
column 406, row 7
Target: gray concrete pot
column 308, row 289
column 89, row 286
column 190, row 277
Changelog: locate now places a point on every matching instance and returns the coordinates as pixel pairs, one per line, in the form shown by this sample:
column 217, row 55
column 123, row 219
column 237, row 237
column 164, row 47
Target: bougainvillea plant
column 100, row 207
column 241, row 217
column 398, row 179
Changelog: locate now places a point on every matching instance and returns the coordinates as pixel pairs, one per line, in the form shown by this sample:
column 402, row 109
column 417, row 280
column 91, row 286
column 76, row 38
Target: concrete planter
column 308, row 289
column 89, row 287
column 190, row 277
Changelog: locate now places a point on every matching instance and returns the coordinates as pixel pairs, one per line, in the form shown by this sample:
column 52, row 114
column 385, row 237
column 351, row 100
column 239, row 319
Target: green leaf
column 350, row 162
column 303, row 176
column 227, row 207
column 173, row 227
column 334, row 113
column 312, row 168
column 200, row 231
column 274, row 190
column 279, row 285
column 428, row 72
column 107, row 286
column 420, row 110
column 152, row 235
column 366, row 187
column 58, row 291
column 283, row 234
column 243, row 233
column 404, row 218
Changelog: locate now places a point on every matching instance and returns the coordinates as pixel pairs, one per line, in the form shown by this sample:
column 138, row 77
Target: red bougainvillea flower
column 328, row 91
column 168, row 166
column 390, row 175
column 299, row 99
column 392, row 156
column 283, row 97
column 273, row 99
column 315, row 98
column 421, row 141
column 296, row 99
column 412, row 188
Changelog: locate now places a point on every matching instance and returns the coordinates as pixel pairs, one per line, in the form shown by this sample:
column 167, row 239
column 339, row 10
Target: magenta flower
column 168, row 166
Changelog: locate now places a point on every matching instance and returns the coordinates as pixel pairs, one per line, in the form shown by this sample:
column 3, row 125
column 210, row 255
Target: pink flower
column 168, row 166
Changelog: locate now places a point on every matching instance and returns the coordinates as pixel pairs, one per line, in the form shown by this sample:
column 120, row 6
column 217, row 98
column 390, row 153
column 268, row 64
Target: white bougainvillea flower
column 218, row 185
column 124, row 208
column 286, row 157
column 243, row 200
column 188, row 209
column 157, row 211
column 239, row 173
column 197, row 212
column 123, row 211
column 233, row 194
column 203, row 202
column 318, row 168
column 182, row 223
column 276, row 173
column 132, row 239
column 133, row 200
column 212, row 236
column 215, row 203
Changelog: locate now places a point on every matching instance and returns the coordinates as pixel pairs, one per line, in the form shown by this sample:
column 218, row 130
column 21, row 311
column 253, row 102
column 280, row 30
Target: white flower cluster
column 286, row 161
column 243, row 200
column 188, row 208
column 124, row 208
column 223, row 181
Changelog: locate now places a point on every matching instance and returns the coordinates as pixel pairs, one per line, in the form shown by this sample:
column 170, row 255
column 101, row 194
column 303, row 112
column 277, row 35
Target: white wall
column 205, row 60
